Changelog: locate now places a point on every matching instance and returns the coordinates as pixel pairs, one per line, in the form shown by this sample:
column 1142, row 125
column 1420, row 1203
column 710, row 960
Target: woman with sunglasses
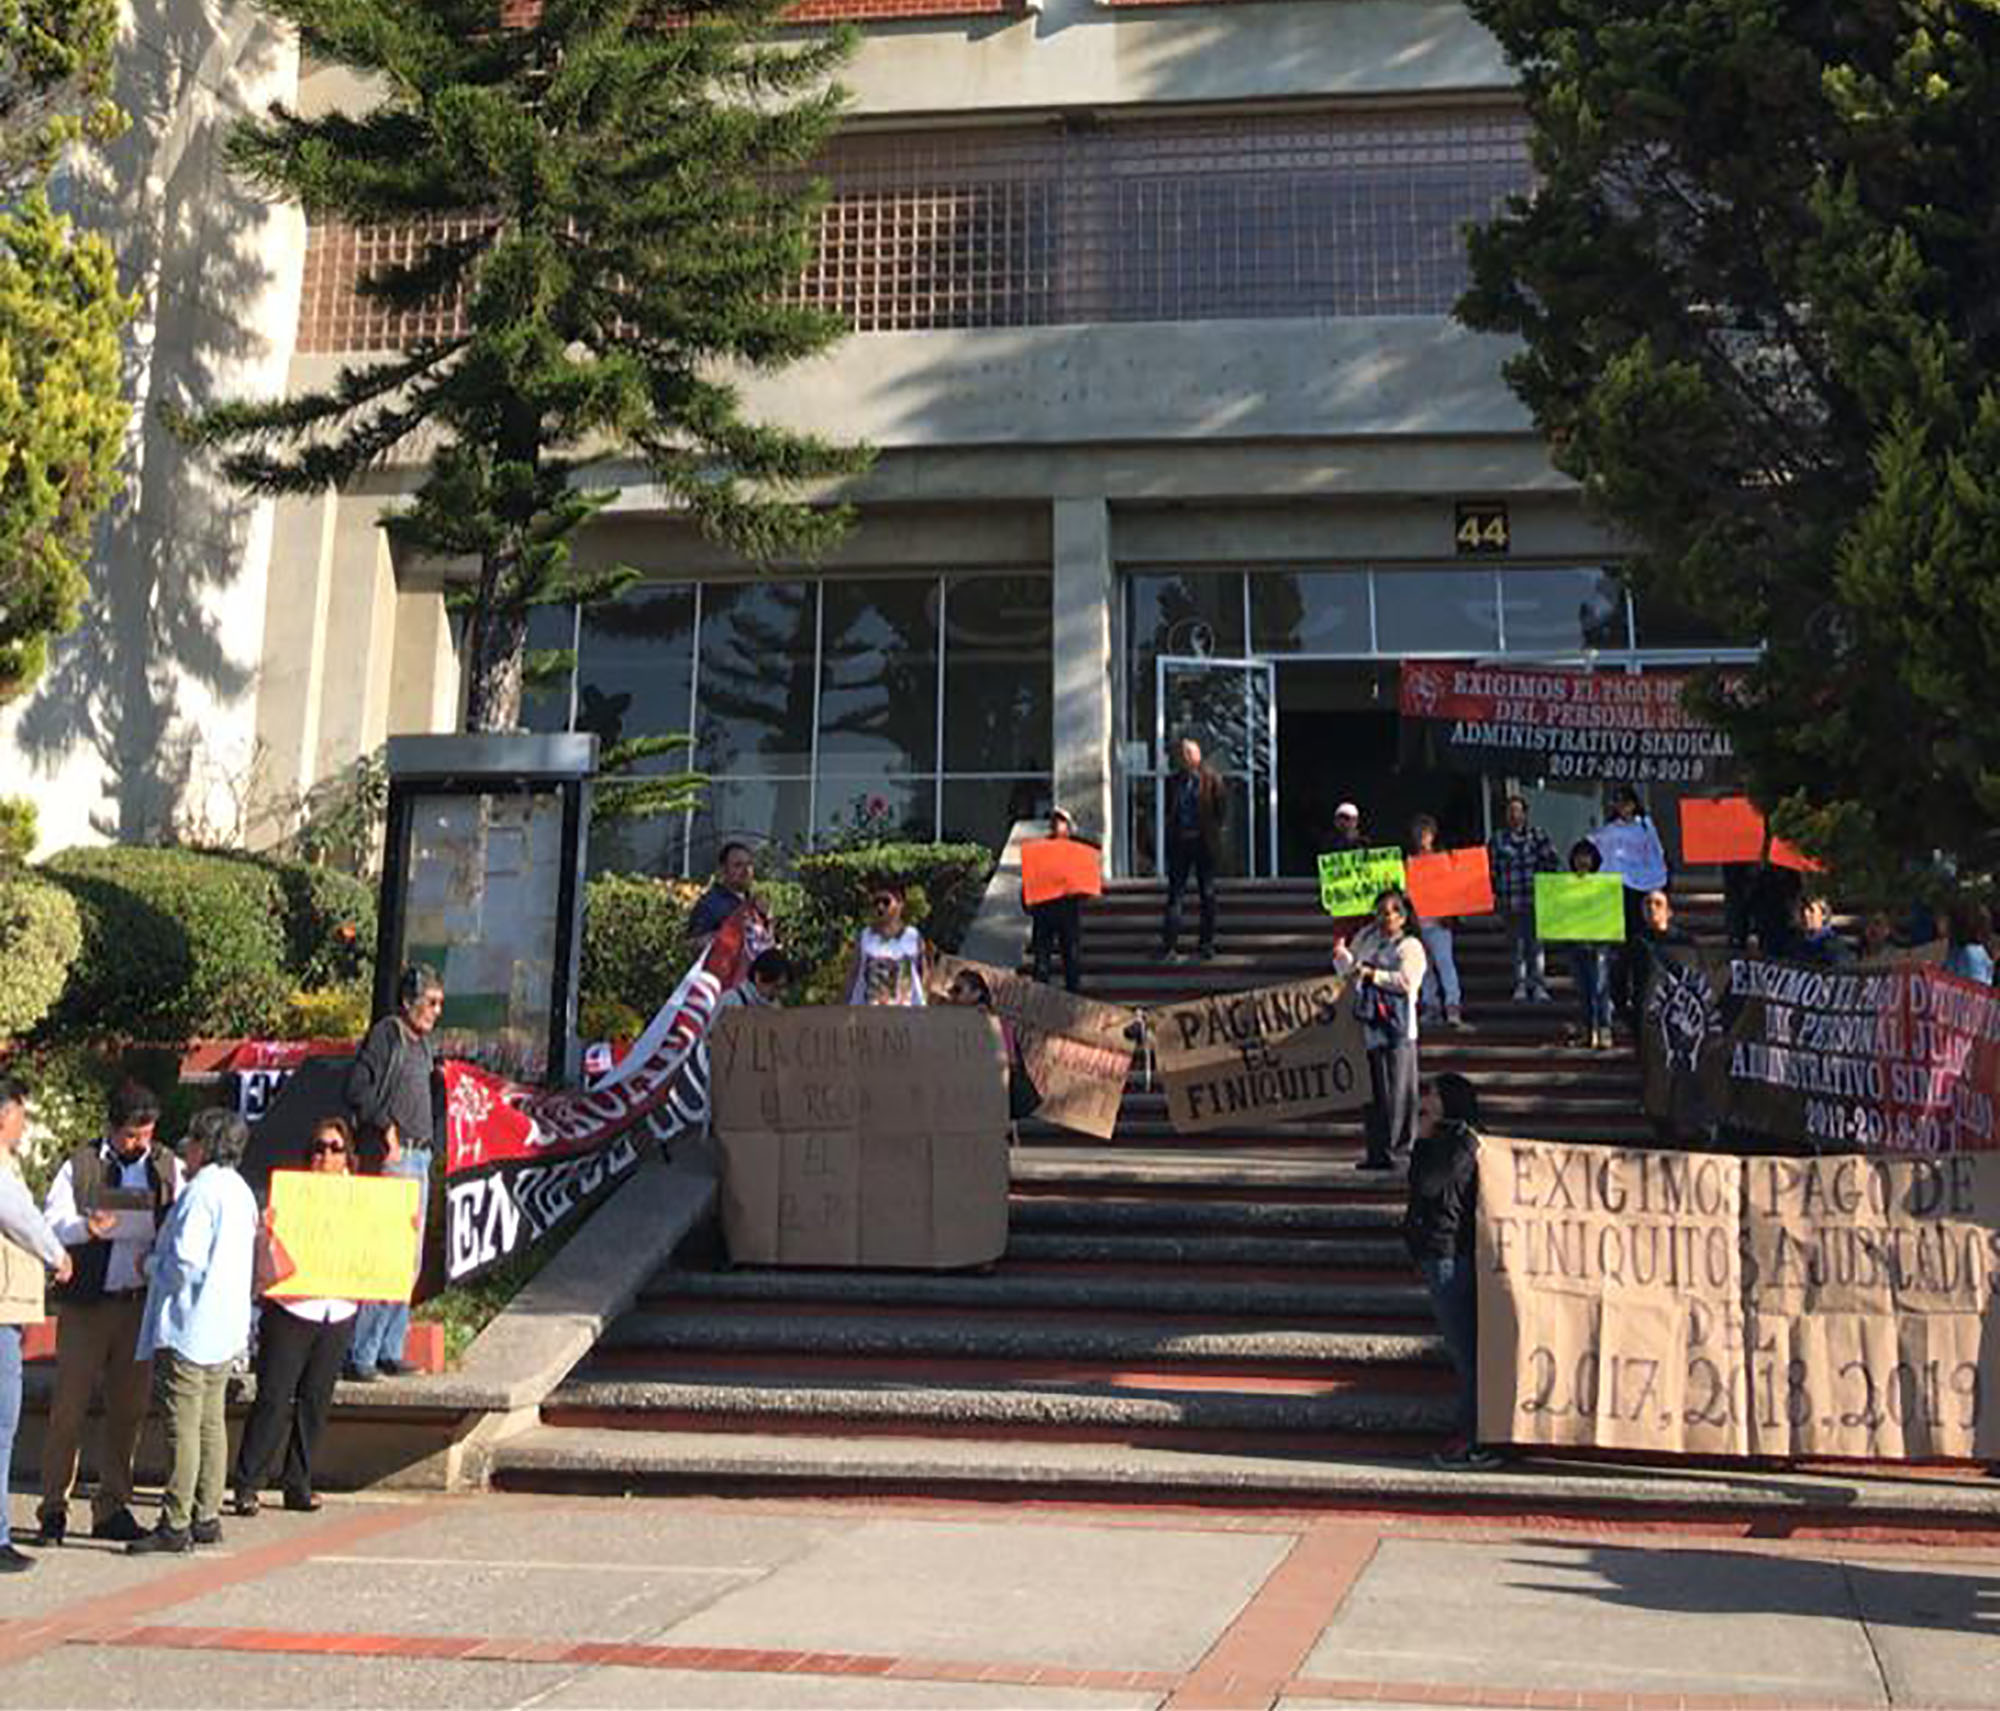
column 889, row 957
column 301, row 1346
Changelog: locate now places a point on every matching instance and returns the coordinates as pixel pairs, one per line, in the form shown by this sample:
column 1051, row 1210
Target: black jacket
column 1444, row 1193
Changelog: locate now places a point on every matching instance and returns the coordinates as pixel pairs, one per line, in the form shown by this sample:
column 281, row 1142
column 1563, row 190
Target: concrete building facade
column 1174, row 432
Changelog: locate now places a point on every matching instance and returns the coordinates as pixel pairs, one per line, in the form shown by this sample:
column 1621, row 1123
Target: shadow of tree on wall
column 160, row 616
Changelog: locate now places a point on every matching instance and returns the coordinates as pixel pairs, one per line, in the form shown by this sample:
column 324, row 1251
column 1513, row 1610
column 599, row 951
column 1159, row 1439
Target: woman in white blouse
column 1386, row 964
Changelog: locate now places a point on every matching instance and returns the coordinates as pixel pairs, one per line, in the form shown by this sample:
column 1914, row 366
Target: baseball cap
column 1347, row 811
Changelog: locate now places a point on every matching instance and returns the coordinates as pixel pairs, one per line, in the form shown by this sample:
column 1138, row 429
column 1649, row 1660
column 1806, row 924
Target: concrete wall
column 147, row 715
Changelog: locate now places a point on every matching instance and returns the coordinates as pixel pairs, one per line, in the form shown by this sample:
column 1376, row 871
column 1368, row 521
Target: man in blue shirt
column 735, row 870
column 197, row 1322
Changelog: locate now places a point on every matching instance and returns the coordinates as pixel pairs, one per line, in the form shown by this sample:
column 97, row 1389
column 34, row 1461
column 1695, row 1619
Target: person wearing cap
column 1346, row 828
column 1057, row 923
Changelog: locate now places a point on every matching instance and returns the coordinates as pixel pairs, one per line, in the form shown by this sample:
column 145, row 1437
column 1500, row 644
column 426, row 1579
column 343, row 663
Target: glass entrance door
column 1229, row 706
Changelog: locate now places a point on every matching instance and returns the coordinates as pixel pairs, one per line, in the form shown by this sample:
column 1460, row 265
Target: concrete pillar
column 1082, row 664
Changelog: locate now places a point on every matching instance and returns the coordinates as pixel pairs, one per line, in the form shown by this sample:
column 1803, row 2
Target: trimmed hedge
column 635, row 936
column 329, row 924
column 41, row 934
column 176, row 944
column 943, row 882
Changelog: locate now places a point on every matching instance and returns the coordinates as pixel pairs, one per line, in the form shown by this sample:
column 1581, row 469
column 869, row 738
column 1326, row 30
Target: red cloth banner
column 1449, row 882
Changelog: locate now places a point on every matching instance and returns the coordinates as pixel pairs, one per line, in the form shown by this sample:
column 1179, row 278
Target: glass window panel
column 997, row 674
column 656, row 845
column 756, row 694
column 878, row 678
column 1562, row 611
column 768, row 814
column 635, row 667
column 983, row 810
column 868, row 810
column 1187, row 614
column 545, row 706
column 1310, row 611
column 1663, row 624
column 1436, row 612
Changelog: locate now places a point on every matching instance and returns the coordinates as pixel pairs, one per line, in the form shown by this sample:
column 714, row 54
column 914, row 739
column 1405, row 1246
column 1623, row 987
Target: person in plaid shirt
column 1515, row 854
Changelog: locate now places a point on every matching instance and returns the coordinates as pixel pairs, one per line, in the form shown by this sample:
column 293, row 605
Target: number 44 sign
column 1481, row 528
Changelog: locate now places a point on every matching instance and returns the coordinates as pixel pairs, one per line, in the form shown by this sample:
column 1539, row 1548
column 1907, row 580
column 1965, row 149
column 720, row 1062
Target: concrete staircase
column 1224, row 1316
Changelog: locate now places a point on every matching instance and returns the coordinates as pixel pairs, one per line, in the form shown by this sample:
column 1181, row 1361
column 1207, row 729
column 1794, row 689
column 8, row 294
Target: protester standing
column 106, row 1205
column 735, row 875
column 301, row 1347
column 1813, row 938
column 1442, row 991
column 1631, row 848
column 1057, row 924
column 890, row 961
column 197, row 1323
column 1968, row 926
column 1386, row 963
column 1658, row 933
column 1438, row 1228
column 1196, row 806
column 1591, row 964
column 1514, row 855
column 391, row 1101
column 760, row 989
column 29, row 1248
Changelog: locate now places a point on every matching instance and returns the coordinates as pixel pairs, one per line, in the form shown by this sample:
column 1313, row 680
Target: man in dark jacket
column 1196, row 806
column 389, row 1098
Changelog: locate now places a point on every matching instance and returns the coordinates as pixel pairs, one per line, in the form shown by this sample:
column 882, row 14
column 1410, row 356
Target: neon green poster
column 1580, row 908
column 1349, row 879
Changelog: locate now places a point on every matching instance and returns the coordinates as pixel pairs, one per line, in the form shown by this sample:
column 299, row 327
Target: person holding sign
column 1590, row 961
column 1058, row 921
column 29, row 1249
column 301, row 1347
column 1441, row 984
column 1196, row 806
column 1631, row 848
column 1386, row 964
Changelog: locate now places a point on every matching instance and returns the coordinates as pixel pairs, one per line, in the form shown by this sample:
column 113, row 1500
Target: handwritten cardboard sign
column 1350, row 879
column 1450, row 882
column 1256, row 1057
column 352, row 1238
column 861, row 1136
column 1706, row 1304
column 1060, row 867
column 1580, row 908
column 1077, row 1051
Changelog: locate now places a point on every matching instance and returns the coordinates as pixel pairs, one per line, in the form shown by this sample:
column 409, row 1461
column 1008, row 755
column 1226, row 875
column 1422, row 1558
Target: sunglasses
column 319, row 1147
column 886, row 901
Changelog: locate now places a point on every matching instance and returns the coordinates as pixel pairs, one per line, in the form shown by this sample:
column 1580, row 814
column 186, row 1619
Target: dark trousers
column 1185, row 855
column 1628, row 970
column 1455, row 1301
column 298, row 1361
column 1391, row 1121
column 1056, row 926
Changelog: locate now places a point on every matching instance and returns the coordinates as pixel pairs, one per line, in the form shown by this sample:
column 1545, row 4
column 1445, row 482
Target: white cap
column 1347, row 811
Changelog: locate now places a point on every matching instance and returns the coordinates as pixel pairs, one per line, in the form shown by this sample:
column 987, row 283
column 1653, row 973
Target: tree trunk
column 494, row 656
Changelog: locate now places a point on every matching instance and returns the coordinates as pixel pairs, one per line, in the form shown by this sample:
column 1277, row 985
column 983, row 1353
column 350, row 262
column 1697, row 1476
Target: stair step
column 1094, row 1214
column 1344, row 1252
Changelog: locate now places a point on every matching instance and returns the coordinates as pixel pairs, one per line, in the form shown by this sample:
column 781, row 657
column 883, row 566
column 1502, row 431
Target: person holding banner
column 301, row 1347
column 1590, row 964
column 735, row 870
column 1631, row 848
column 1387, row 964
column 29, row 1251
column 1515, row 854
column 1057, row 924
column 1196, row 806
column 1441, row 983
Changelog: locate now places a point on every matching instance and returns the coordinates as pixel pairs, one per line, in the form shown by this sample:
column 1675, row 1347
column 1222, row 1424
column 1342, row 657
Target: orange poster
column 1452, row 882
column 1059, row 867
column 1729, row 828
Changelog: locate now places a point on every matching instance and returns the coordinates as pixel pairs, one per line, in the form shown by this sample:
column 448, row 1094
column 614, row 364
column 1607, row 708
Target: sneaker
column 13, row 1561
column 389, row 1367
column 361, row 1375
column 206, row 1532
column 246, row 1504
column 1520, row 992
column 1542, row 995
column 1374, row 1164
column 161, row 1539
column 1466, row 1458
column 304, row 1502
column 120, row 1529
column 1454, row 1017
column 1168, row 954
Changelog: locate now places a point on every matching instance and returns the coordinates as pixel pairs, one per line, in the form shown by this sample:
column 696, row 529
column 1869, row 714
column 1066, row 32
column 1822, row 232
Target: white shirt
column 320, row 1310
column 121, row 1272
column 1631, row 849
column 890, row 971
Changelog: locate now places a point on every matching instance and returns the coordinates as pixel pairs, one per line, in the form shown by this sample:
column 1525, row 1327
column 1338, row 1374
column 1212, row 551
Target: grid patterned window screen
column 1255, row 216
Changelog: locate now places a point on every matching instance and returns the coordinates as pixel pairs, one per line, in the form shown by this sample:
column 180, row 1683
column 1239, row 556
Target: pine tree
column 1759, row 287
column 612, row 206
column 62, row 416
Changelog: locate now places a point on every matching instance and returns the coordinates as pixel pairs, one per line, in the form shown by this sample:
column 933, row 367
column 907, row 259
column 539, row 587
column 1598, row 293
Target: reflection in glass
column 1662, row 624
column 1436, row 612
column 1562, row 611
column 1310, row 612
column 757, row 670
column 998, row 675
column 635, row 668
column 545, row 705
column 983, row 810
column 856, row 810
column 878, row 678
column 1184, row 614
column 768, row 814
column 656, row 845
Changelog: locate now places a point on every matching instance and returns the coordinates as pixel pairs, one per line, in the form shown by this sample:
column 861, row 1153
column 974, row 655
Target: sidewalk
column 570, row 1601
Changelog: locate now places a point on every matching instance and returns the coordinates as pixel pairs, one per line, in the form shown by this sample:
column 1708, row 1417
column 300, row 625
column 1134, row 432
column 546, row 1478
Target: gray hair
column 415, row 982
column 221, row 1135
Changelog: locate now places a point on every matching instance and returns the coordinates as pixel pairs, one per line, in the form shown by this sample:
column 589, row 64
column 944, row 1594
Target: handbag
column 1378, row 1009
column 270, row 1264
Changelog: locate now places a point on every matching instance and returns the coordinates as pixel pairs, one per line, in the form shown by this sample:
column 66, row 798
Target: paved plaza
column 505, row 1601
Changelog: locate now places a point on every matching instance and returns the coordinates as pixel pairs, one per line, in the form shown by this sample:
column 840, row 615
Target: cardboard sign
column 862, row 1136
column 1060, row 867
column 1255, row 1057
column 1450, row 882
column 1077, row 1051
column 1729, row 829
column 1881, row 1057
column 350, row 1237
column 1703, row 1304
column 1580, row 908
column 1350, row 879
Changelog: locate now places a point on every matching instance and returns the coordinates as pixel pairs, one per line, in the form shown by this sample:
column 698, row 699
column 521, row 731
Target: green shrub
column 329, row 924
column 176, row 944
column 328, row 1013
column 41, row 933
column 18, row 821
column 609, row 1019
column 635, row 936
column 942, row 886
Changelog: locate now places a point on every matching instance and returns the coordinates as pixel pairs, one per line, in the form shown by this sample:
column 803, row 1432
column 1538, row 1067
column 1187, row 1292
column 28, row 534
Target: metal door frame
column 1267, row 811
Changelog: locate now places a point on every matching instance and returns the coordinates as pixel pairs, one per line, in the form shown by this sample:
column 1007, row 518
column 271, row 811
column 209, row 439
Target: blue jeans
column 10, row 1413
column 1455, row 1301
column 1592, row 966
column 381, row 1328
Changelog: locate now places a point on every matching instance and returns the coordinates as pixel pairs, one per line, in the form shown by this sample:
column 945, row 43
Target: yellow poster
column 349, row 1237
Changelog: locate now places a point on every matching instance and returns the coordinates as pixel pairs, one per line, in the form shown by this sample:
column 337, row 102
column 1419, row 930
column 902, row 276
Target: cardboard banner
column 1883, row 1057
column 1060, row 867
column 1255, row 1057
column 352, row 1238
column 1350, row 879
column 862, row 1136
column 1580, row 908
column 1077, row 1051
column 1729, row 829
column 1450, row 882
column 1555, row 724
column 1702, row 1304
column 521, row 1161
